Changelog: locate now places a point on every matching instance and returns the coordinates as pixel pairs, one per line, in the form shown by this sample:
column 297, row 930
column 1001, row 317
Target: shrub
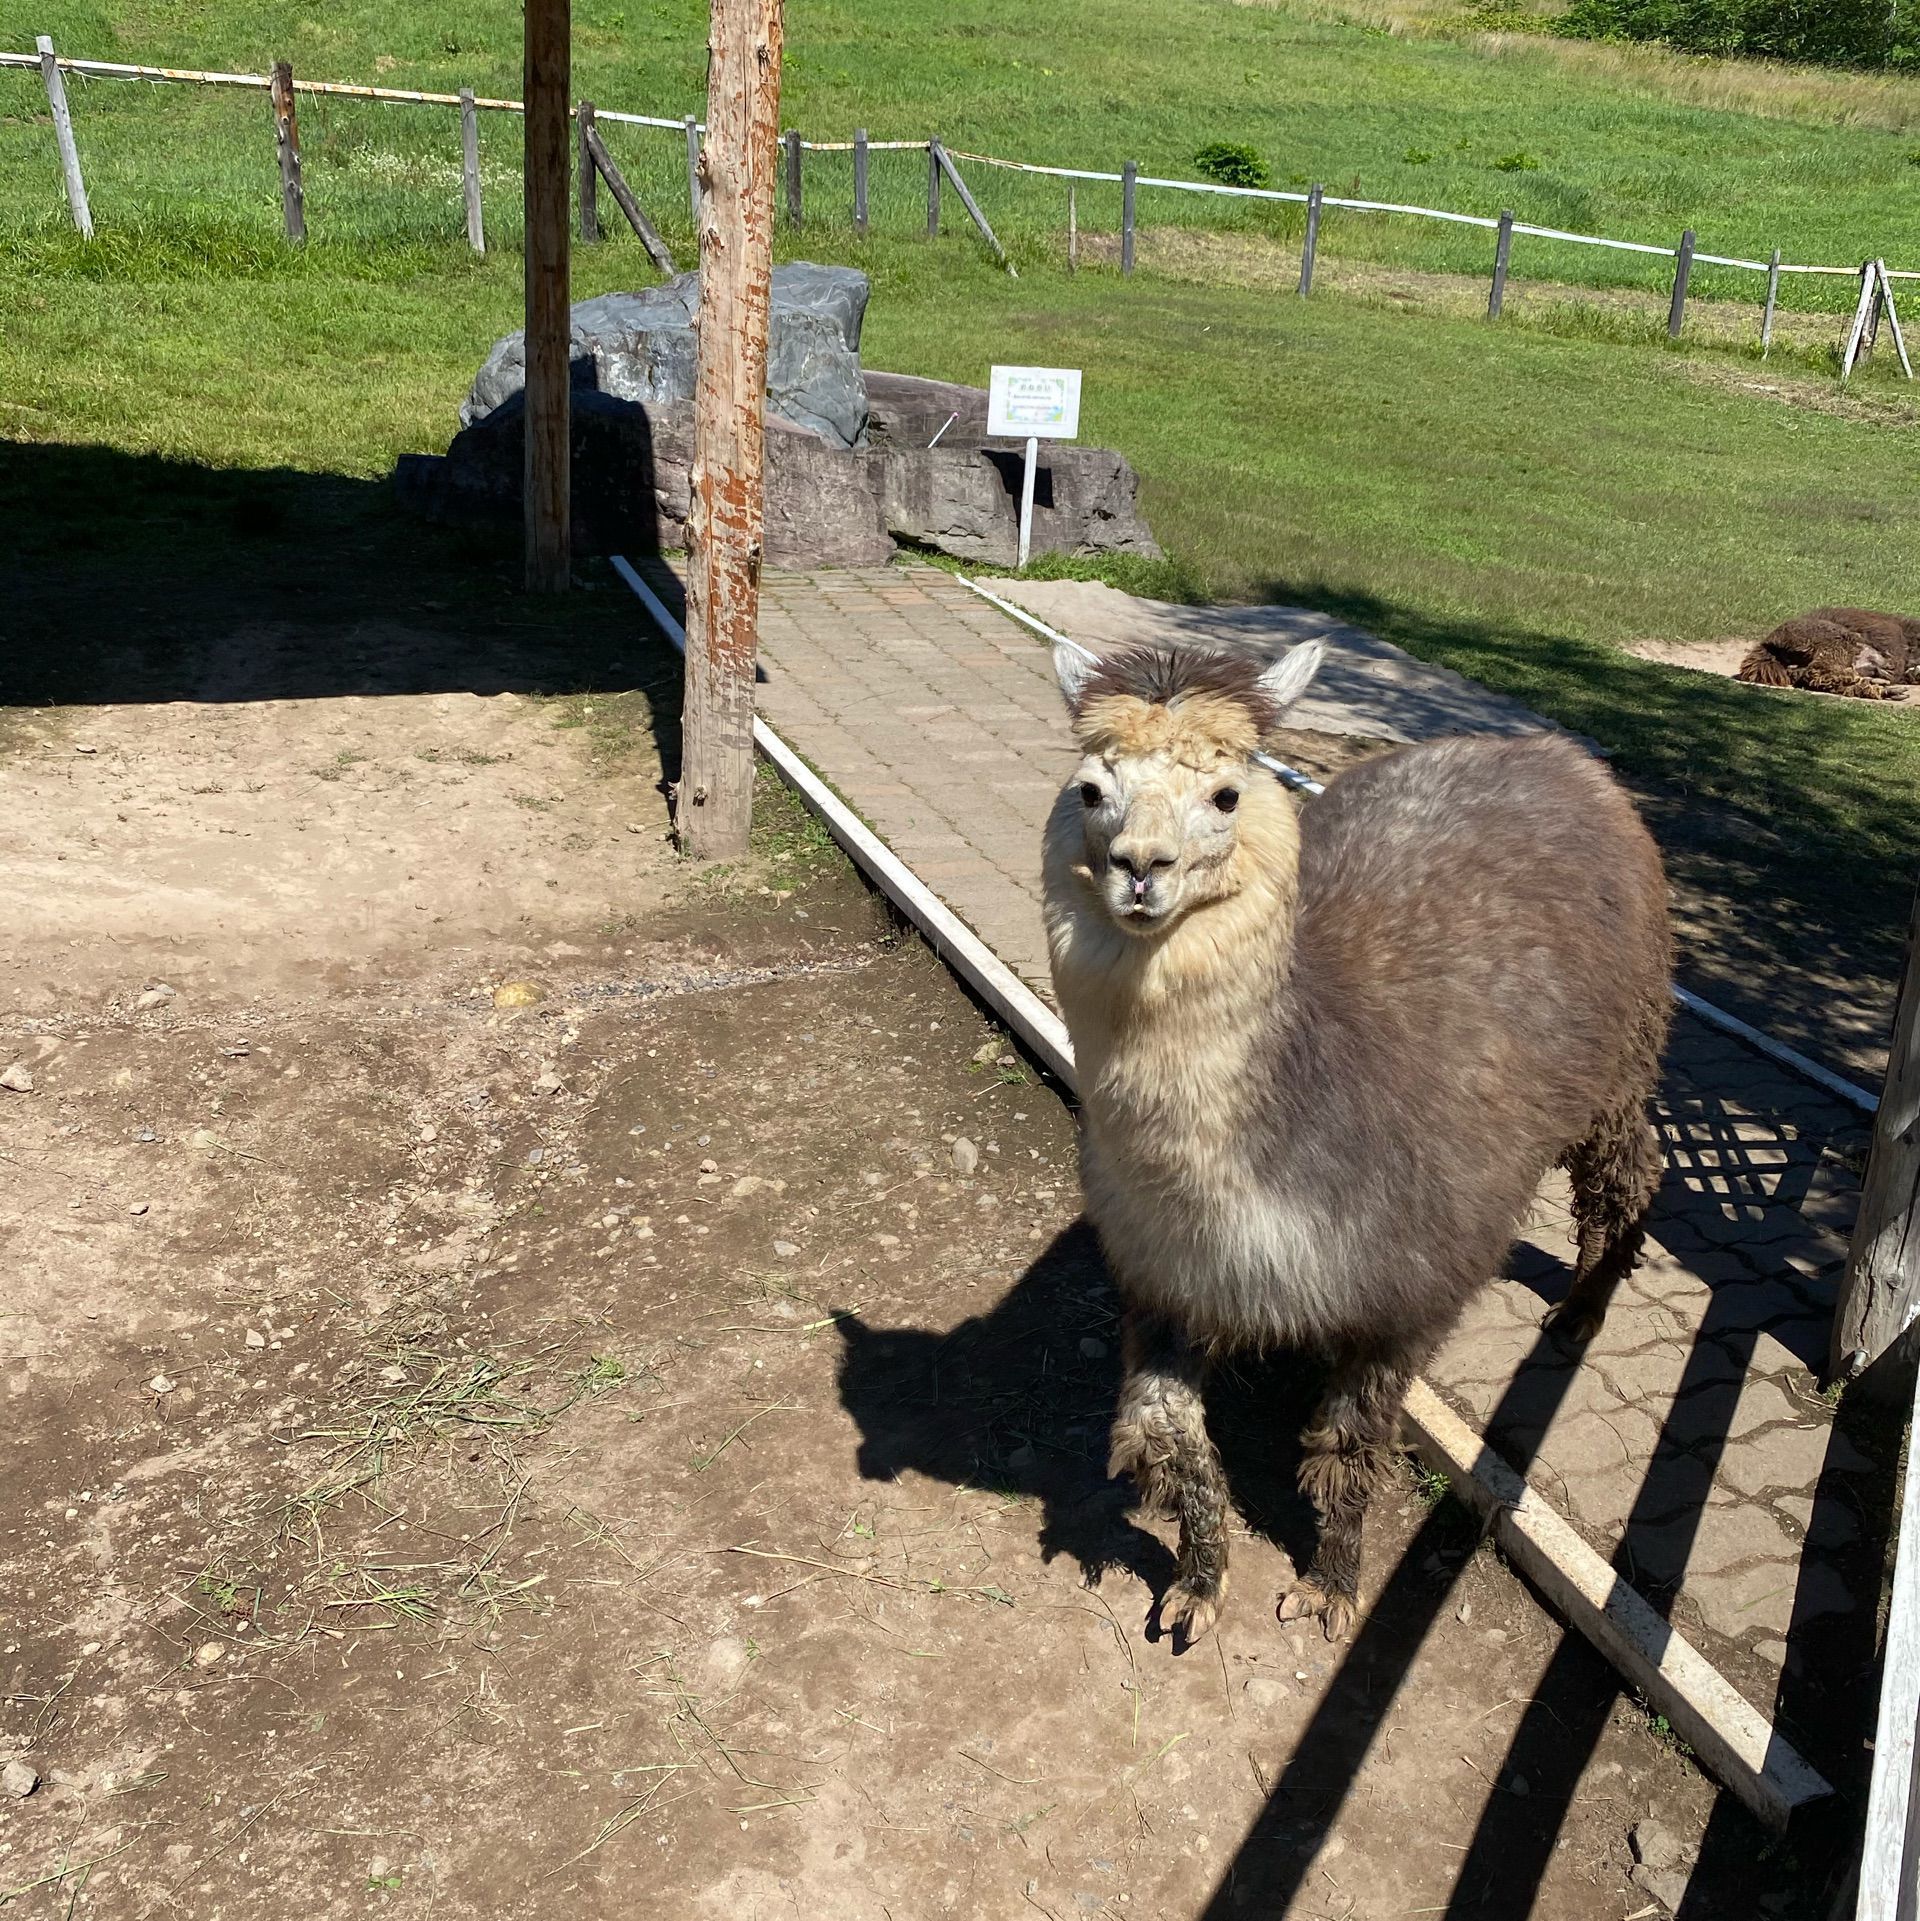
column 1516, row 163
column 1837, row 33
column 1416, row 156
column 1229, row 164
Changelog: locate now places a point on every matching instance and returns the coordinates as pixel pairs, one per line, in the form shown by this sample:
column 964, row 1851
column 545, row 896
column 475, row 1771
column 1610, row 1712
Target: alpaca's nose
column 1137, row 862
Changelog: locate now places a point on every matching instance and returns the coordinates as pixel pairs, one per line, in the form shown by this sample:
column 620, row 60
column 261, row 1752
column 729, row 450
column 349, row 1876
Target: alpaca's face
column 1160, row 833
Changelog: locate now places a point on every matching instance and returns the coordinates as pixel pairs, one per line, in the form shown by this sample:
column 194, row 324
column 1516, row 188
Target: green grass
column 1607, row 143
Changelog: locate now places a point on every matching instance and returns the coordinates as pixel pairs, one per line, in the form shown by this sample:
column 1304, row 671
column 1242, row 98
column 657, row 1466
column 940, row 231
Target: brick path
column 1692, row 1445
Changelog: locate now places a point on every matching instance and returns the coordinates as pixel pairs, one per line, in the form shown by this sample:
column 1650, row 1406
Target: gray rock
column 19, row 1779
column 966, row 1156
column 1668, row 1886
column 1656, row 1846
column 641, row 347
column 966, row 501
column 904, row 410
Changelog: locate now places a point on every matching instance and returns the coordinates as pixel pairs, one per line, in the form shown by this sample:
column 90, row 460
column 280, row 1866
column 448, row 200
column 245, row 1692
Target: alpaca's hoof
column 1574, row 1323
column 1189, row 1615
column 1308, row 1599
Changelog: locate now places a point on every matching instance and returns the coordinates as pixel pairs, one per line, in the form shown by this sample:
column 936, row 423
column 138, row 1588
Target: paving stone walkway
column 1692, row 1446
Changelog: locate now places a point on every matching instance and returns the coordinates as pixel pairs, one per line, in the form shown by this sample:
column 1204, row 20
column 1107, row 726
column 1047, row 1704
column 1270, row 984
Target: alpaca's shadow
column 1019, row 1400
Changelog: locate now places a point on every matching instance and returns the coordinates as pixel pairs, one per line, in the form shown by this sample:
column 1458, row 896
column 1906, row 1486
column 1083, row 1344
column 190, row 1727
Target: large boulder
column 640, row 347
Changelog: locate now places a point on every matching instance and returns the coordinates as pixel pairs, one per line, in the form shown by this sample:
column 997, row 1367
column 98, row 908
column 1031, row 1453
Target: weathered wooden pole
column 547, row 480
column 1880, row 1295
column 588, row 194
column 1682, row 272
column 795, row 157
column 1073, row 228
column 693, row 168
column 56, row 86
column 1773, row 294
column 933, row 188
column 1502, row 252
column 859, row 179
column 625, row 199
column 1129, row 173
column 1311, row 243
column 470, row 170
column 286, row 141
column 713, row 805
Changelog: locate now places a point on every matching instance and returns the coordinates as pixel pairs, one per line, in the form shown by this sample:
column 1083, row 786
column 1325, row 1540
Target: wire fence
column 838, row 173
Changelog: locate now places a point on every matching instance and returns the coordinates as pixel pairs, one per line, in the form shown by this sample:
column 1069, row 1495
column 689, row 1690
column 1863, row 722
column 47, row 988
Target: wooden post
column 933, row 188
column 1073, row 228
column 859, row 179
column 1312, row 241
column 1502, row 249
column 1128, row 174
column 1893, row 317
column 547, row 482
column 693, row 168
column 589, row 196
column 63, row 135
column 1682, row 269
column 794, row 151
column 713, row 805
column 973, row 208
column 1869, row 294
column 1773, row 294
column 286, row 141
column 1880, row 1295
column 470, row 170
column 623, row 196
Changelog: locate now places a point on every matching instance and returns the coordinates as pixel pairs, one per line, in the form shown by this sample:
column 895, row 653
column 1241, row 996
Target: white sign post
column 1039, row 403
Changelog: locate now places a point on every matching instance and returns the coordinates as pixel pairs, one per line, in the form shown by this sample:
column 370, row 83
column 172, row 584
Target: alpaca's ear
column 1072, row 669
column 1286, row 680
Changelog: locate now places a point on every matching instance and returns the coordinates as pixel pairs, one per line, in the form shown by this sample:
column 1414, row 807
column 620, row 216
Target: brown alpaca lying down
column 1839, row 650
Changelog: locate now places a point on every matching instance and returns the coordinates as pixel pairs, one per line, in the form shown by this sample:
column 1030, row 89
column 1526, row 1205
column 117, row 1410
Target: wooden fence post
column 1682, row 270
column 286, row 142
column 1073, row 228
column 547, row 488
column 973, row 209
column 1893, row 317
column 859, row 179
column 933, row 188
column 1502, row 249
column 623, row 198
column 1773, row 294
column 713, row 804
column 470, row 170
column 63, row 135
column 693, row 167
column 1312, row 241
column 794, row 152
column 1851, row 354
column 589, row 194
column 1880, row 1295
column 1128, row 175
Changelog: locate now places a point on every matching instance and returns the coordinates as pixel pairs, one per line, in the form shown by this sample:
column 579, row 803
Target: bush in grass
column 1836, row 33
column 1229, row 164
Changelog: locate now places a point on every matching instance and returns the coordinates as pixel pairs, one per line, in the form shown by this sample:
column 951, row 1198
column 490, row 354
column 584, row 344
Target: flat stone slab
column 1368, row 685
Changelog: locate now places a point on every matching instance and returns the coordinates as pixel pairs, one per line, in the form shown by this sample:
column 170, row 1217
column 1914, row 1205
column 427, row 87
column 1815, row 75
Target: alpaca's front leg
column 1345, row 1451
column 1160, row 1439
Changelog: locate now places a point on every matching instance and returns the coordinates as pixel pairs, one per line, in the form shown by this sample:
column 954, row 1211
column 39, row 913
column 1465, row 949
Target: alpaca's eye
column 1227, row 799
column 1090, row 793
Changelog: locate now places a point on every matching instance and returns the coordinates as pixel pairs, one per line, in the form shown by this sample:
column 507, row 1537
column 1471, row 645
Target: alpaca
column 1325, row 1061
column 1839, row 650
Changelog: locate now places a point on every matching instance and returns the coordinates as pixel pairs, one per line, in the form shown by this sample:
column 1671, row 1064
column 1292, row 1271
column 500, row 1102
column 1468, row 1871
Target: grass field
column 1516, row 501
column 1620, row 142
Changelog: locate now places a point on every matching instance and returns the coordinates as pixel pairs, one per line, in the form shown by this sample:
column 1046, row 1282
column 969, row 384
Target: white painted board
column 1034, row 403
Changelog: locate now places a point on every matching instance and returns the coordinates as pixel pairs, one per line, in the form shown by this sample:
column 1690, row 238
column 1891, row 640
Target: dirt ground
column 539, row 1380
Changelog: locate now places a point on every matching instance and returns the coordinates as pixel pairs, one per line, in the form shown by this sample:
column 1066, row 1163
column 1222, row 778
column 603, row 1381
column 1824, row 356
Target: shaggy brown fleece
column 1839, row 650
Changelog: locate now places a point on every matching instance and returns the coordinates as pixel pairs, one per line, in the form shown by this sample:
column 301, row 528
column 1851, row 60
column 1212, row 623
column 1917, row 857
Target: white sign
column 1034, row 403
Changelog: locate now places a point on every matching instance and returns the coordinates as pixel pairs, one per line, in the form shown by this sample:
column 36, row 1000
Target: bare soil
column 519, row 1402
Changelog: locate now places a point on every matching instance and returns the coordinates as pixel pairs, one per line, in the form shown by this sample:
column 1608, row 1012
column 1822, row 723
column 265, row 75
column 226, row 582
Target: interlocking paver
column 1685, row 1447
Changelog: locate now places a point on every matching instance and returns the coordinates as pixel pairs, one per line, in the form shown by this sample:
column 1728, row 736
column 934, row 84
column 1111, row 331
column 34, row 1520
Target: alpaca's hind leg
column 1160, row 1439
column 1615, row 1173
column 1346, row 1449
column 1836, row 680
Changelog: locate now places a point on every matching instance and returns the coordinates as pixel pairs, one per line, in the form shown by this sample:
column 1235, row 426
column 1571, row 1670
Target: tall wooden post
column 1129, row 172
column 1310, row 245
column 1773, row 295
column 859, row 179
column 56, row 86
column 548, row 425
column 286, row 141
column 693, row 168
column 1502, row 253
column 713, row 807
column 589, row 197
column 794, row 163
column 933, row 188
column 470, row 170
column 1880, row 1296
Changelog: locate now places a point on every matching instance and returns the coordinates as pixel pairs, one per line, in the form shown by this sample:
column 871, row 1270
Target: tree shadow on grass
column 137, row 579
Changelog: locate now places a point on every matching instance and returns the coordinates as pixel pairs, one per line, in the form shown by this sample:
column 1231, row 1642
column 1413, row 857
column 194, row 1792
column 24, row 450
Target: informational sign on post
column 1034, row 404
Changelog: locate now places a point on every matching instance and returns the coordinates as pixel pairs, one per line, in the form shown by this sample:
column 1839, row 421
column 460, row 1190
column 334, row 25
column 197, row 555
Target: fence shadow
column 1018, row 1399
column 134, row 578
